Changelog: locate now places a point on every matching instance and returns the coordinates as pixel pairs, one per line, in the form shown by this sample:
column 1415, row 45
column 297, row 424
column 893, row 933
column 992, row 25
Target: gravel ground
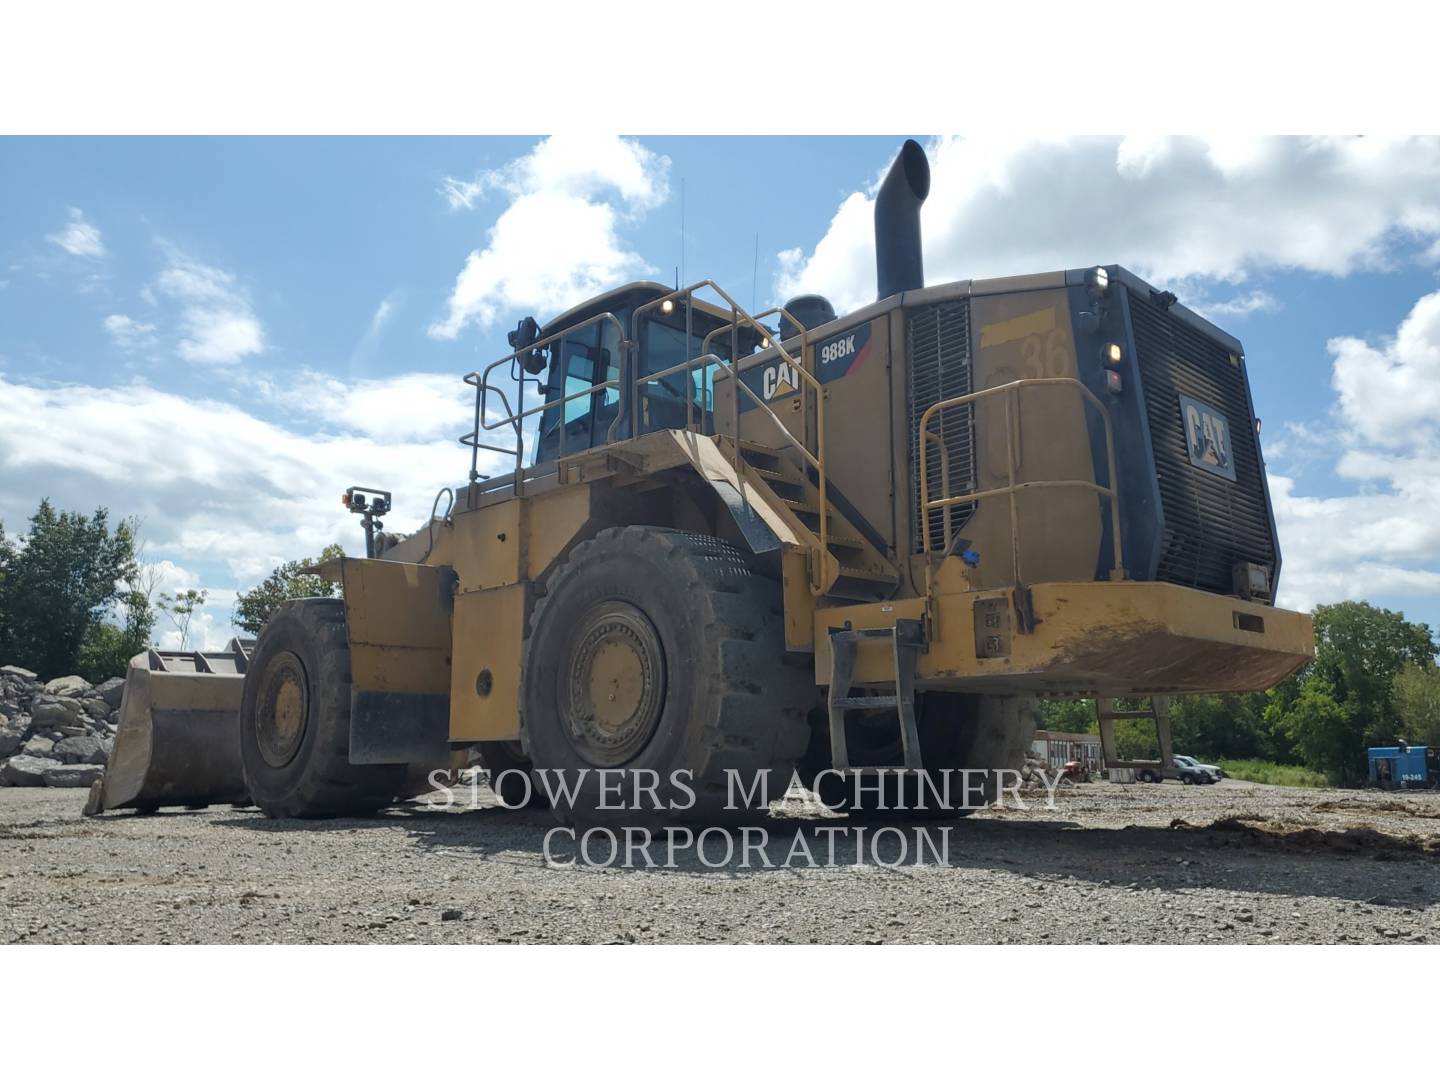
column 1109, row 863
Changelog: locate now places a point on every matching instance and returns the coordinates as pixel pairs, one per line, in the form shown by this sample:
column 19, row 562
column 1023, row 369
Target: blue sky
column 219, row 334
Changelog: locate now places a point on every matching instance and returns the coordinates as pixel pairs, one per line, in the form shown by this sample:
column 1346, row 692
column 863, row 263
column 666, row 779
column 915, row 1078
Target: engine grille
column 1211, row 523
column 937, row 348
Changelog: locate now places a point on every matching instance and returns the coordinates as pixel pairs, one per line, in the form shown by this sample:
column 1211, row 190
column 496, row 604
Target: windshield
column 665, row 346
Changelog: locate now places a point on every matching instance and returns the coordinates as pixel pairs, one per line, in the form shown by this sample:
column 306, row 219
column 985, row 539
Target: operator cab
column 575, row 363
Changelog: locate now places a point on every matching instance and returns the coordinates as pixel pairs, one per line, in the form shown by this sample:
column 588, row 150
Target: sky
column 218, row 335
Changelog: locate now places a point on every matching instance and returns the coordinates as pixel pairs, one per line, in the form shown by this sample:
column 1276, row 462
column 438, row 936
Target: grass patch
column 1269, row 772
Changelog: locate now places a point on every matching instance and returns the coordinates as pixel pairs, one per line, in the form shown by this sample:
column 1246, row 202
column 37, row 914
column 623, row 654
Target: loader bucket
column 178, row 743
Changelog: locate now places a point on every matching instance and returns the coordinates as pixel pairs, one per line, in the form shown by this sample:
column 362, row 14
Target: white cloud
column 557, row 241
column 417, row 405
column 1384, row 538
column 214, row 484
column 79, row 237
column 461, row 194
column 218, row 322
column 1256, row 301
column 1172, row 209
column 130, row 334
column 1390, row 392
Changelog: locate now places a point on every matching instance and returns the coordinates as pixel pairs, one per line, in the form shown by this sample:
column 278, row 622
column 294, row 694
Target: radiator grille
column 1211, row 523
column 937, row 348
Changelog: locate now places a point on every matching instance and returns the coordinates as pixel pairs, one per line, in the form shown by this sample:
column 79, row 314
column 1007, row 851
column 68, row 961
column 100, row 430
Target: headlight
column 1099, row 280
column 1111, row 353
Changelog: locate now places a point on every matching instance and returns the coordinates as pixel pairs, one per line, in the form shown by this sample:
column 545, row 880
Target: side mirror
column 526, row 333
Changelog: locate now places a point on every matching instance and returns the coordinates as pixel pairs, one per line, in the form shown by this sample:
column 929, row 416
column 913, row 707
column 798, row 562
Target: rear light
column 1113, row 382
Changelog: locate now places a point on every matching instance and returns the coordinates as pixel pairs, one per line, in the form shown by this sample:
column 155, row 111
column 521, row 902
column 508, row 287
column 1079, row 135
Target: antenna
column 754, row 271
column 682, row 233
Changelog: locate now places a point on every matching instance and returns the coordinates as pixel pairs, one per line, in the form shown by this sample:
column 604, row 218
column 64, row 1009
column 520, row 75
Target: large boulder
column 111, row 691
column 22, row 771
column 49, row 711
column 12, row 732
column 73, row 775
column 19, row 673
column 38, row 746
column 95, row 708
column 72, row 686
column 81, row 750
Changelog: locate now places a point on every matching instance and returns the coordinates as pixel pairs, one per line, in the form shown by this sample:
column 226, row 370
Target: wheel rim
column 284, row 712
column 616, row 677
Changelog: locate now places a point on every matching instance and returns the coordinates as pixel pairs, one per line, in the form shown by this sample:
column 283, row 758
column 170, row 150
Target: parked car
column 1186, row 769
column 1215, row 772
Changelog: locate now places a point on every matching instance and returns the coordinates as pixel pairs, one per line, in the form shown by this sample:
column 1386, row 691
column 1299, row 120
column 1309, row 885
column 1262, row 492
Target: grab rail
column 480, row 379
column 1011, row 390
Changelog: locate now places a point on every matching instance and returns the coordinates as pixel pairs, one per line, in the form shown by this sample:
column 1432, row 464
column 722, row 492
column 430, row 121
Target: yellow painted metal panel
column 485, row 679
column 1110, row 638
column 398, row 620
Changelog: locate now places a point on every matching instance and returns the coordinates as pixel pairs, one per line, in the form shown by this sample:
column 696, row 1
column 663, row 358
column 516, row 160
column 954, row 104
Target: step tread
column 867, row 575
column 886, row 701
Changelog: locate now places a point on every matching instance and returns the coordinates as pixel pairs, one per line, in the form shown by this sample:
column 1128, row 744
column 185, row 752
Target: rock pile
column 59, row 733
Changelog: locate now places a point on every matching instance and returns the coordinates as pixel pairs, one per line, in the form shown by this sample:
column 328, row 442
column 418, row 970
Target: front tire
column 295, row 720
column 659, row 654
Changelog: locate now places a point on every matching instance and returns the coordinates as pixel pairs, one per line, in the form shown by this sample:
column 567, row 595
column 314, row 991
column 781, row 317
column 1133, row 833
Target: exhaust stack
column 898, row 262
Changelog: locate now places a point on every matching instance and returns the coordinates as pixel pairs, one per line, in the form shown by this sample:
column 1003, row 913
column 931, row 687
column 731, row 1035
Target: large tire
column 295, row 720
column 957, row 731
column 660, row 650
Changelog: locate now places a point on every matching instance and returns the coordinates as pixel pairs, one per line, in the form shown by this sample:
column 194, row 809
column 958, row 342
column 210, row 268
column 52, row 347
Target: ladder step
column 755, row 449
column 774, row 477
column 850, row 636
column 888, row 701
column 849, row 543
column 858, row 574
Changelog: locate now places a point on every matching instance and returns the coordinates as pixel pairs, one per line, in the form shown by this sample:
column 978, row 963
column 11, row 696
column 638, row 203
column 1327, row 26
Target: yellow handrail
column 1011, row 390
column 820, row 578
column 480, row 379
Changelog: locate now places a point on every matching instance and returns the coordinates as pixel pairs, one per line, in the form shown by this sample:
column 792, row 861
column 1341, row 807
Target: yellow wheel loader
column 727, row 548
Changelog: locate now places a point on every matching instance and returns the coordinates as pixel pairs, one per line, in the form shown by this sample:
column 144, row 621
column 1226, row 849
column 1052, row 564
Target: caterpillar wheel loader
column 745, row 546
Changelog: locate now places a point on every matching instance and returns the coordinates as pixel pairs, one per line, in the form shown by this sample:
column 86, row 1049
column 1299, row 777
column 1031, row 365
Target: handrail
column 480, row 379
column 1011, row 390
column 820, row 581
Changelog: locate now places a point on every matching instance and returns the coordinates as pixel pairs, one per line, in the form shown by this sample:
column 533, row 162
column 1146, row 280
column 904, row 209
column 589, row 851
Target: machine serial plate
column 1207, row 438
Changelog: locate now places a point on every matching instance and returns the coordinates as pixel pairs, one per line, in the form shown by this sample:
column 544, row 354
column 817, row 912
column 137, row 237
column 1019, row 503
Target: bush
column 1270, row 772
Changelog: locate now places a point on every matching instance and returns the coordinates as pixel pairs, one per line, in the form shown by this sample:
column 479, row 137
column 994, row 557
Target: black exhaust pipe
column 898, row 262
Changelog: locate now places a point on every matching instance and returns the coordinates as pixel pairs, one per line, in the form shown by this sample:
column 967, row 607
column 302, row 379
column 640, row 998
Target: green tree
column 1225, row 725
column 180, row 608
column 1359, row 649
column 57, row 585
column 1075, row 715
column 108, row 647
column 289, row 581
column 1417, row 703
column 1327, row 734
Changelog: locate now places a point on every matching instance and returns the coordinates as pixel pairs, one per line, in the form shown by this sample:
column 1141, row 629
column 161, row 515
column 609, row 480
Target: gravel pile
column 1109, row 863
column 55, row 734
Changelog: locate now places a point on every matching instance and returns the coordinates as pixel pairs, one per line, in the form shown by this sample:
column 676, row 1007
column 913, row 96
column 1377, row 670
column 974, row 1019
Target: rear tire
column 295, row 720
column 957, row 732
column 659, row 652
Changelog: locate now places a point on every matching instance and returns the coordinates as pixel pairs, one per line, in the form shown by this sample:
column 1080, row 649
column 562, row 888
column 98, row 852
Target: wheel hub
column 284, row 711
column 616, row 677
